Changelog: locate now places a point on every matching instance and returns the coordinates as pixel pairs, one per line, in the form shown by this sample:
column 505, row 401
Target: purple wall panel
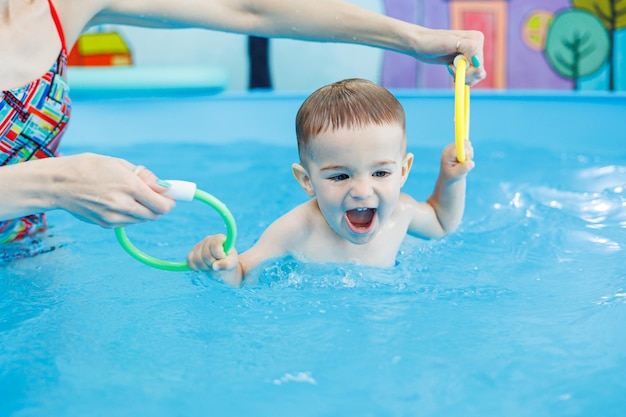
column 436, row 16
column 400, row 70
column 526, row 67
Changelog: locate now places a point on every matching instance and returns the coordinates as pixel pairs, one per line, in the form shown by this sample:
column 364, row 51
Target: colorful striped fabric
column 32, row 121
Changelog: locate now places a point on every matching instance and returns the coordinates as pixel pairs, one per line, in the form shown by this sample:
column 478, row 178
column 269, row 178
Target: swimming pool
column 522, row 312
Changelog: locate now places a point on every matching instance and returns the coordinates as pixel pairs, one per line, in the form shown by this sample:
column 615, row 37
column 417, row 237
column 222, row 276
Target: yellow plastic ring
column 461, row 107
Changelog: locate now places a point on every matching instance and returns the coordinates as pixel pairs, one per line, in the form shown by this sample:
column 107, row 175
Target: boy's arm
column 283, row 236
column 208, row 255
column 277, row 240
column 444, row 209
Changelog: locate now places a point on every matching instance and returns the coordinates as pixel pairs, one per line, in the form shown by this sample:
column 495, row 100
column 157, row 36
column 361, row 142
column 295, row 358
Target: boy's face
column 356, row 175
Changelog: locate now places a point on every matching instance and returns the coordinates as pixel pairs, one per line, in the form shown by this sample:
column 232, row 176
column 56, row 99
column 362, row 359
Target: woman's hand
column 107, row 191
column 442, row 46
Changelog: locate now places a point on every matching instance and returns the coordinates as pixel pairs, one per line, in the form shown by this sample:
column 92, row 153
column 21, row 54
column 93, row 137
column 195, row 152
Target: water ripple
column 597, row 209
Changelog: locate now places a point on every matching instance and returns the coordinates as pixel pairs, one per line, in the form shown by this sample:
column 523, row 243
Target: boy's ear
column 302, row 176
column 407, row 163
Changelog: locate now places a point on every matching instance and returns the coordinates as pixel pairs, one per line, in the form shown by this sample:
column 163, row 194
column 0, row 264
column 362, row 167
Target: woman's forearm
column 94, row 188
column 318, row 20
column 331, row 21
column 26, row 188
column 342, row 21
column 312, row 20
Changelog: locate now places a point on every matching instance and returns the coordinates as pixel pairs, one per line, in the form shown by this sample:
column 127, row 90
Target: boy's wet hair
column 351, row 103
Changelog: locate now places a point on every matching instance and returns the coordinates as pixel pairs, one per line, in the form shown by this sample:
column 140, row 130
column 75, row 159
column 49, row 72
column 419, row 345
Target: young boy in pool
column 353, row 163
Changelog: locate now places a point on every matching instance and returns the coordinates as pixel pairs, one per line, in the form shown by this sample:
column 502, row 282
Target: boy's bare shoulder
column 409, row 204
column 303, row 216
column 297, row 224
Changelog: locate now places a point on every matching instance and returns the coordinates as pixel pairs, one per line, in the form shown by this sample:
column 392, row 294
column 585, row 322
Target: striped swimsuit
column 32, row 120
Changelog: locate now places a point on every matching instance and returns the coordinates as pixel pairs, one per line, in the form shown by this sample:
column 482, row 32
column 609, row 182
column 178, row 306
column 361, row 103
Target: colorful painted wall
column 529, row 44
column 542, row 44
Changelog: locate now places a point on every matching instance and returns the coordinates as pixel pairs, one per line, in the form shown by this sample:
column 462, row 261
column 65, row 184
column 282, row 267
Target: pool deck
column 553, row 119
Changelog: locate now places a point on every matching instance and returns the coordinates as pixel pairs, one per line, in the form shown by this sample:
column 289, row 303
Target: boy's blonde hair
column 348, row 103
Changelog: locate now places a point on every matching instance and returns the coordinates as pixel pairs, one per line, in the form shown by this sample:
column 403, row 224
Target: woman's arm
column 318, row 20
column 94, row 188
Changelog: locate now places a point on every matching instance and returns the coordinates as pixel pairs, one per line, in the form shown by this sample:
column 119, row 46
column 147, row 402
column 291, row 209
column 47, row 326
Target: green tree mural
column 577, row 44
column 612, row 14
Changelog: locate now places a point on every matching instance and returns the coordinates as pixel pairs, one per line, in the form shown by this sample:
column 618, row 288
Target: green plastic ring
column 231, row 235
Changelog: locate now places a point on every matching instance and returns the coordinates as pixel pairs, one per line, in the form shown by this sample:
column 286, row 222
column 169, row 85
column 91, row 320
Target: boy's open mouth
column 361, row 220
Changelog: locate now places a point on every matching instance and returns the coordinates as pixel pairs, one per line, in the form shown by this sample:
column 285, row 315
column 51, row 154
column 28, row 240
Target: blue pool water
column 522, row 312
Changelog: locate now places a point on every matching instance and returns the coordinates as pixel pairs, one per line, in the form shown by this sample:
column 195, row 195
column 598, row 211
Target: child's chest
column 326, row 246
